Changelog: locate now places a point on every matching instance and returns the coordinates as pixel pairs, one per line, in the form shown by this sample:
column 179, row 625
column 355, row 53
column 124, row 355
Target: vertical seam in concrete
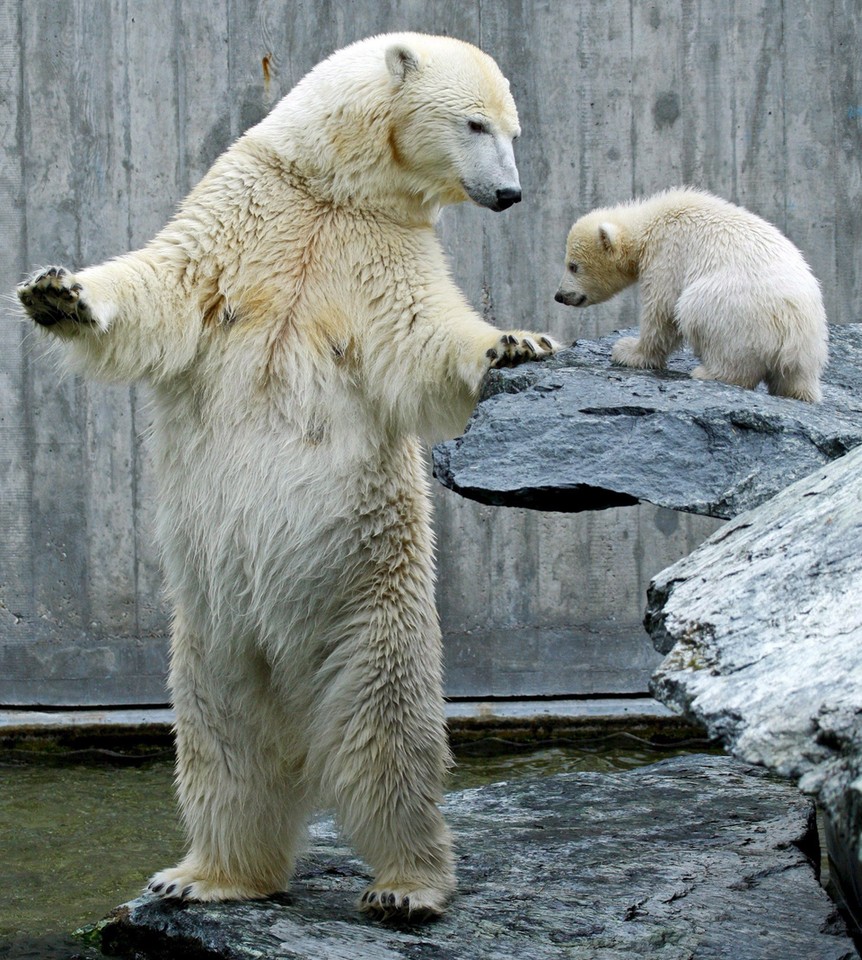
column 782, row 14
column 135, row 439
column 127, row 124
column 833, row 154
column 632, row 130
column 734, row 113
column 180, row 85
column 135, row 465
column 81, row 390
column 22, row 125
column 230, row 68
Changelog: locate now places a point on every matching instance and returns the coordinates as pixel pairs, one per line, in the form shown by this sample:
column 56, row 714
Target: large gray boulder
column 576, row 433
column 763, row 630
column 693, row 857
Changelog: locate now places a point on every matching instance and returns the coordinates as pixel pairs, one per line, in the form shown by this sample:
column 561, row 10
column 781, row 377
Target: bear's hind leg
column 243, row 801
column 380, row 742
column 387, row 779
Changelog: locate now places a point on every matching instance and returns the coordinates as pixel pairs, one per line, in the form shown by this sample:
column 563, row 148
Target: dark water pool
column 78, row 838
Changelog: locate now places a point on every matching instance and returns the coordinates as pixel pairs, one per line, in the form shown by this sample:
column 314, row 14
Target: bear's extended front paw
column 518, row 347
column 52, row 295
column 403, row 905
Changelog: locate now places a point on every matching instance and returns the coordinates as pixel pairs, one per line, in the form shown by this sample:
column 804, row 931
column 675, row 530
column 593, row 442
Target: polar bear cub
column 712, row 274
column 301, row 332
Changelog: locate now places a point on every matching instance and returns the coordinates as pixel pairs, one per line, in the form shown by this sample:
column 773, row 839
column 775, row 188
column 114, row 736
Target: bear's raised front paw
column 519, row 346
column 52, row 295
column 184, row 883
column 403, row 905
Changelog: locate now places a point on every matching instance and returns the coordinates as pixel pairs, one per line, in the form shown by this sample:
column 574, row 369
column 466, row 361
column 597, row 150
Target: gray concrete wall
column 109, row 112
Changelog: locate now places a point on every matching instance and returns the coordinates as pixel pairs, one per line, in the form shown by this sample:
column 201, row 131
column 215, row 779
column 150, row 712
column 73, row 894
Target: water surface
column 78, row 838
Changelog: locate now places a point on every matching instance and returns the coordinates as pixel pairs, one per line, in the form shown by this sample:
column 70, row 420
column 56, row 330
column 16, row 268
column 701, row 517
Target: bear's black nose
column 507, row 196
column 558, row 296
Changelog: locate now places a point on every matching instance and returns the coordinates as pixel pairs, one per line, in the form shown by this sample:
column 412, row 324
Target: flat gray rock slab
column 577, row 433
column 691, row 857
column 763, row 629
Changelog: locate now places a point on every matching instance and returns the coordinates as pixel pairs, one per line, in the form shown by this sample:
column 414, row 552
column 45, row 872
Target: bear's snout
column 507, row 196
column 571, row 299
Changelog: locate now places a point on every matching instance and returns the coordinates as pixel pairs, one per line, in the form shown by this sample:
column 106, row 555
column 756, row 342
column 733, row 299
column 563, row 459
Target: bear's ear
column 400, row 61
column 609, row 237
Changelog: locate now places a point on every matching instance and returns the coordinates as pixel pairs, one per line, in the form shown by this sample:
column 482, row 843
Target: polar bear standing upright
column 712, row 274
column 301, row 332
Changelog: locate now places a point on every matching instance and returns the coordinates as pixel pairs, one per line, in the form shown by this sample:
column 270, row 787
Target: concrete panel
column 108, row 120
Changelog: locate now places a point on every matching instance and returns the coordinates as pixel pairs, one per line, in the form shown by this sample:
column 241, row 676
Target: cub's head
column 452, row 122
column 599, row 261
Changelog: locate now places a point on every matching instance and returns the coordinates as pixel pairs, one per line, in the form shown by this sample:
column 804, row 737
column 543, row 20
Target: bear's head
column 453, row 122
column 599, row 261
column 404, row 122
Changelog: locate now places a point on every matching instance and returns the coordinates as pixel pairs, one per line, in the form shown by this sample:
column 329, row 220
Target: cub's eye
column 477, row 126
column 573, row 267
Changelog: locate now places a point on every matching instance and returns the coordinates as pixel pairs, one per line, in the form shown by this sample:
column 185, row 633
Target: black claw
column 528, row 346
column 390, row 900
column 492, row 354
column 169, row 890
column 186, row 891
column 546, row 343
column 156, row 887
column 509, row 340
column 406, row 903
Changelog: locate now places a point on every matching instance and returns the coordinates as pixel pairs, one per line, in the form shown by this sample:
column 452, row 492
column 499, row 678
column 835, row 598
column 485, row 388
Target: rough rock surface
column 763, row 624
column 693, row 857
column 576, row 433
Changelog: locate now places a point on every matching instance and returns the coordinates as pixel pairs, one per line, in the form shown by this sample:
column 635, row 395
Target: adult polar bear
column 301, row 331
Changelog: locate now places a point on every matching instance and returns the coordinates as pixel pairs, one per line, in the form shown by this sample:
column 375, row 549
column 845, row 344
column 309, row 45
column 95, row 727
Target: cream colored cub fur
column 301, row 332
column 711, row 274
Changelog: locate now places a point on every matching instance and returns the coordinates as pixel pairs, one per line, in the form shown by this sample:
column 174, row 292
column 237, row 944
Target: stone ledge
column 762, row 625
column 575, row 433
column 696, row 856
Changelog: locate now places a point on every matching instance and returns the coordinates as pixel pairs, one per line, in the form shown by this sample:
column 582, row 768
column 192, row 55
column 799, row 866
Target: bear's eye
column 573, row 267
column 477, row 126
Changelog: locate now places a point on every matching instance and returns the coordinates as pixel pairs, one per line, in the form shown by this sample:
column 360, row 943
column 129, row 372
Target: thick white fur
column 712, row 274
column 301, row 331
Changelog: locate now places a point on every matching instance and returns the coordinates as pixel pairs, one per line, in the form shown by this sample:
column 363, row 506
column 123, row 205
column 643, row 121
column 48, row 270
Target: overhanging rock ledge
column 576, row 433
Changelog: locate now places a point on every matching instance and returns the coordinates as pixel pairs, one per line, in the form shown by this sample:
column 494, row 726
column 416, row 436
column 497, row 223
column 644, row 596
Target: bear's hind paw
column 403, row 906
column 52, row 295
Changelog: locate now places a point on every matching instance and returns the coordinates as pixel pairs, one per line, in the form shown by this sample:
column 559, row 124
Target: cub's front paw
column 628, row 352
column 52, row 295
column 518, row 346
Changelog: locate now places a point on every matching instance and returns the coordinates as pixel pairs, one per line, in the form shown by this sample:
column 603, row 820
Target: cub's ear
column 401, row 61
column 609, row 237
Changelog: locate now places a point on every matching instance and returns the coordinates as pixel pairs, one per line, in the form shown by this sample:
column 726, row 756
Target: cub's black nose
column 507, row 196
